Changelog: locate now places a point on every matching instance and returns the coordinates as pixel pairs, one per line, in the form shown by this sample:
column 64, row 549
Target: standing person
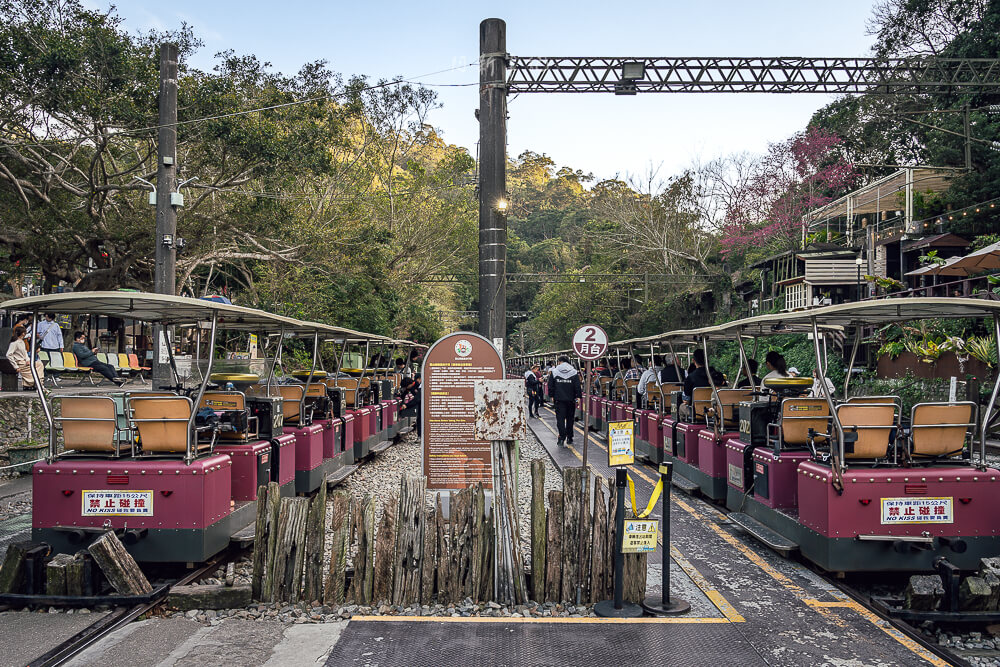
column 17, row 354
column 533, row 385
column 50, row 339
column 409, row 391
column 87, row 356
column 565, row 389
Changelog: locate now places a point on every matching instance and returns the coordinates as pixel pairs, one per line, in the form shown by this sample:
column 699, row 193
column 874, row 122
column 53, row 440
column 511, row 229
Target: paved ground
column 26, row 635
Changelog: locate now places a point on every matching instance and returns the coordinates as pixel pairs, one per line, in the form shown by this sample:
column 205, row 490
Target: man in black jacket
column 699, row 378
column 87, row 357
column 565, row 389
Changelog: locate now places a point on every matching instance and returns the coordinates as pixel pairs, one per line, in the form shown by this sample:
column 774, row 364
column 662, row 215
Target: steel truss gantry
column 558, row 74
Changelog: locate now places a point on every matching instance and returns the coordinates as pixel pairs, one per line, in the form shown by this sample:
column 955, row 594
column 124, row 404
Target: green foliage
column 983, row 348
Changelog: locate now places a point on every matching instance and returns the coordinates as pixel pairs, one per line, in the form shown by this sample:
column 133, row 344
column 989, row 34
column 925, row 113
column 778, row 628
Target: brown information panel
column 453, row 457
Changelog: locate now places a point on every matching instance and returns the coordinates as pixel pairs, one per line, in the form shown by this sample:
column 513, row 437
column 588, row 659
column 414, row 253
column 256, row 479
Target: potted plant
column 23, row 454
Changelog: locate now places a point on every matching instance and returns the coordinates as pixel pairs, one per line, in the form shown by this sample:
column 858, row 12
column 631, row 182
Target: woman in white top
column 17, row 354
column 776, row 366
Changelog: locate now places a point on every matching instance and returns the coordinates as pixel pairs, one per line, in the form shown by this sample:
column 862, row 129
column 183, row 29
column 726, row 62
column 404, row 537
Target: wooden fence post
column 571, row 532
column 385, row 545
column 599, row 547
column 289, row 551
column 340, row 527
column 119, row 567
column 538, row 530
column 553, row 549
column 312, row 589
column 409, row 557
column 364, row 524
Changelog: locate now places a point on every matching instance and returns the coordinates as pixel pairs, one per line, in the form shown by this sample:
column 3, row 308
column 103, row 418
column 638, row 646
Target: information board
column 621, row 443
column 453, row 458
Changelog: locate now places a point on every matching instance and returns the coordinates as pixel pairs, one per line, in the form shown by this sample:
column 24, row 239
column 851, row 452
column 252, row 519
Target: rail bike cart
column 853, row 482
column 174, row 469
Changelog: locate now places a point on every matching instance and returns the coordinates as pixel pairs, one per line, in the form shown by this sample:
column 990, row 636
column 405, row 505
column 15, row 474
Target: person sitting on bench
column 87, row 357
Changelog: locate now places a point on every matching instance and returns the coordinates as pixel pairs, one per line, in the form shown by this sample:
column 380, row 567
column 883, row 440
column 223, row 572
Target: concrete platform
column 27, row 635
column 787, row 613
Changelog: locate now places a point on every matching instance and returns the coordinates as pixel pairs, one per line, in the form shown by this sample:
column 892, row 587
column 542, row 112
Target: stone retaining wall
column 22, row 418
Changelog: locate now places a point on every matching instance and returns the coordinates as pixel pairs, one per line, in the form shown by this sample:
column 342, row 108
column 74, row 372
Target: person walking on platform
column 565, row 390
column 533, row 385
column 87, row 357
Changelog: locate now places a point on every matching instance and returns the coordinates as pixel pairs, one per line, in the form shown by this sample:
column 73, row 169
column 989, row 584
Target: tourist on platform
column 17, row 354
column 50, row 339
column 565, row 390
column 533, row 386
column 87, row 357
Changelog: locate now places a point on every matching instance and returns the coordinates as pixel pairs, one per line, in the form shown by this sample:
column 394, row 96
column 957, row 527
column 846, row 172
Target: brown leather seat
column 798, row 415
column 291, row 396
column 730, row 400
column 701, row 400
column 162, row 422
column 940, row 429
column 90, row 424
column 873, row 422
column 350, row 387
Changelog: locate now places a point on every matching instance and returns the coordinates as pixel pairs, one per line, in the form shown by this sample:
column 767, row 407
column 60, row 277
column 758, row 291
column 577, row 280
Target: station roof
column 173, row 310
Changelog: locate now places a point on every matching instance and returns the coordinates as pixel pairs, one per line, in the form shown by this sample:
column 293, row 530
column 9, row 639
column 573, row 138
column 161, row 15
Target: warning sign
column 640, row 537
column 117, row 503
column 621, row 443
column 917, row 510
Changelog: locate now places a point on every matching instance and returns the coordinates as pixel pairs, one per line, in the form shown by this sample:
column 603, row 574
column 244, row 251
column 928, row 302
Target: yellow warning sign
column 621, row 443
column 640, row 536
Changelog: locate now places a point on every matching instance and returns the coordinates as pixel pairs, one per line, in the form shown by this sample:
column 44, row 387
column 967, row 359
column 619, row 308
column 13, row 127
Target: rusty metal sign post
column 500, row 418
column 589, row 342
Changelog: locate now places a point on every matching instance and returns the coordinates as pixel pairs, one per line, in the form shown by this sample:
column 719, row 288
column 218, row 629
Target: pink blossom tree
column 763, row 198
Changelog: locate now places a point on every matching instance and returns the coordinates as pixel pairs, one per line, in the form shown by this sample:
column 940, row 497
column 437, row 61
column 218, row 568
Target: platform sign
column 117, row 503
column 621, row 443
column 453, row 457
column 639, row 537
column 917, row 510
column 590, row 342
column 252, row 348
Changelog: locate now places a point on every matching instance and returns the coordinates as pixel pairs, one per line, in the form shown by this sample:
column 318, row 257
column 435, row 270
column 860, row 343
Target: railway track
column 101, row 628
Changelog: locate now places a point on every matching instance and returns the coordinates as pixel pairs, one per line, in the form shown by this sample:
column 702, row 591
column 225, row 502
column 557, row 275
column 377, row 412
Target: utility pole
column 493, row 203
column 164, row 276
column 968, row 137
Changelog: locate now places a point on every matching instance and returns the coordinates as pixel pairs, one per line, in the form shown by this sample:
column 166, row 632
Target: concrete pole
column 492, row 178
column 164, row 275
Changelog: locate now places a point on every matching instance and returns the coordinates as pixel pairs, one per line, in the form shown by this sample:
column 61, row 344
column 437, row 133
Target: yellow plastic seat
column 940, row 429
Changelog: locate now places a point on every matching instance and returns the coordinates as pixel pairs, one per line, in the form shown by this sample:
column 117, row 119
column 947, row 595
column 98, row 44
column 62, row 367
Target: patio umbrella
column 981, row 260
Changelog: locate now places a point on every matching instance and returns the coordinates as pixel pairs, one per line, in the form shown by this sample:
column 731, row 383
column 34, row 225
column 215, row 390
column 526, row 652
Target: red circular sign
column 590, row 342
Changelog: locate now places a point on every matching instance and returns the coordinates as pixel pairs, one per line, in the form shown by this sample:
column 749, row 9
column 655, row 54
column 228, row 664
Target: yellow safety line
column 717, row 599
column 542, row 619
column 822, row 608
